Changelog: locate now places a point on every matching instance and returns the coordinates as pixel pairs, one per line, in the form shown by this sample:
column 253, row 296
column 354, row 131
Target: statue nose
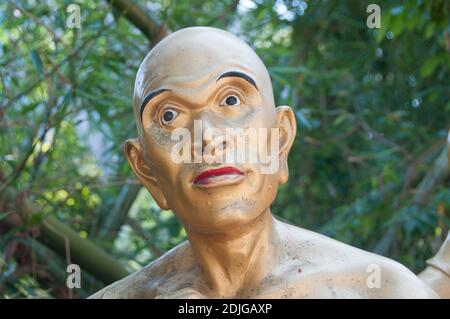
column 213, row 140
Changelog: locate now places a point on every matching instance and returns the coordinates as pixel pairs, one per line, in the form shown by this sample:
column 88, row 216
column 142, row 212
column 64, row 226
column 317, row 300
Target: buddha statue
column 199, row 80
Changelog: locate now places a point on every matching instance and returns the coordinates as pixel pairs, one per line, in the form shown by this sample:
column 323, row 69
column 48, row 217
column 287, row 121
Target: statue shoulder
column 397, row 281
column 437, row 273
column 143, row 283
column 367, row 274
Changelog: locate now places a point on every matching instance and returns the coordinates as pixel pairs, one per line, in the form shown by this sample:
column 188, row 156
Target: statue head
column 208, row 86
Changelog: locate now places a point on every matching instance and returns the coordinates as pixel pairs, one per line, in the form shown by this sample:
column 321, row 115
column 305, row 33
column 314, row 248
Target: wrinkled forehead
column 192, row 58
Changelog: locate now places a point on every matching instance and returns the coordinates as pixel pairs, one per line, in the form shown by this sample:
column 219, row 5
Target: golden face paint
column 184, row 73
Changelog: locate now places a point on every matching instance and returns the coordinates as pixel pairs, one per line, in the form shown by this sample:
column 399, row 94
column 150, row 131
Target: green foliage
column 371, row 106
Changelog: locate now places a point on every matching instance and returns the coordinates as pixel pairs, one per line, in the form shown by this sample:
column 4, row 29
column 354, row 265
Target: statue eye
column 168, row 116
column 231, row 100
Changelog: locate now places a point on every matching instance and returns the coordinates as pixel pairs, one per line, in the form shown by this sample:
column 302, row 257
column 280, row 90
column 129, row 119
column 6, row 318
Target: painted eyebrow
column 239, row 75
column 150, row 96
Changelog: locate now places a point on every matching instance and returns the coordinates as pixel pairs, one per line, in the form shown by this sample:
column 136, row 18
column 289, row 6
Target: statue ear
column 288, row 128
column 135, row 156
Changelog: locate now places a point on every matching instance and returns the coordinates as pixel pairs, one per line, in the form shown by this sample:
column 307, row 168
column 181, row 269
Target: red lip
column 201, row 178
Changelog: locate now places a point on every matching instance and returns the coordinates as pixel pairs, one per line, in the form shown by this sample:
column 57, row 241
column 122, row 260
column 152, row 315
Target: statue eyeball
column 231, row 100
column 168, row 116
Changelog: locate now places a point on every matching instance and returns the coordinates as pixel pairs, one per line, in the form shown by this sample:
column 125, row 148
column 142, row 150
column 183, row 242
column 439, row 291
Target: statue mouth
column 218, row 177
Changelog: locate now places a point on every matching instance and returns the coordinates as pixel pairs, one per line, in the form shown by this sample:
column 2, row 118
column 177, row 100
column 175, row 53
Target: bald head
column 203, row 94
column 193, row 58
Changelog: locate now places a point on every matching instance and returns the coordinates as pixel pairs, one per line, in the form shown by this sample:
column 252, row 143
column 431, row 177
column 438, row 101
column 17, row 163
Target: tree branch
column 136, row 16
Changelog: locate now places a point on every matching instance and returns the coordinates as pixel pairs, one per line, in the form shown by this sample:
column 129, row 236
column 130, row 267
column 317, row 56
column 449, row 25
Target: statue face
column 200, row 79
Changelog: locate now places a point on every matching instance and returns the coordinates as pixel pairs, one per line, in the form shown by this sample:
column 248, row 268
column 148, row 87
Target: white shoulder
column 394, row 280
column 144, row 282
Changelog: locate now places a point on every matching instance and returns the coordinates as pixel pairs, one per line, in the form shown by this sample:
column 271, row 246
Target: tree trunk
column 119, row 212
column 65, row 241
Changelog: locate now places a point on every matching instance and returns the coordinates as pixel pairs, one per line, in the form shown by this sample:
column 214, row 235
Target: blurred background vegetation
column 368, row 166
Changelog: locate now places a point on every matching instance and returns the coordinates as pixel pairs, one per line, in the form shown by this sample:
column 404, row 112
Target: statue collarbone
column 309, row 265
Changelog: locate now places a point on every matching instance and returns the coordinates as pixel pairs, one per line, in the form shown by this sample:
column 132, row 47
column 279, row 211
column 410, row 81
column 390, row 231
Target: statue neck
column 236, row 259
